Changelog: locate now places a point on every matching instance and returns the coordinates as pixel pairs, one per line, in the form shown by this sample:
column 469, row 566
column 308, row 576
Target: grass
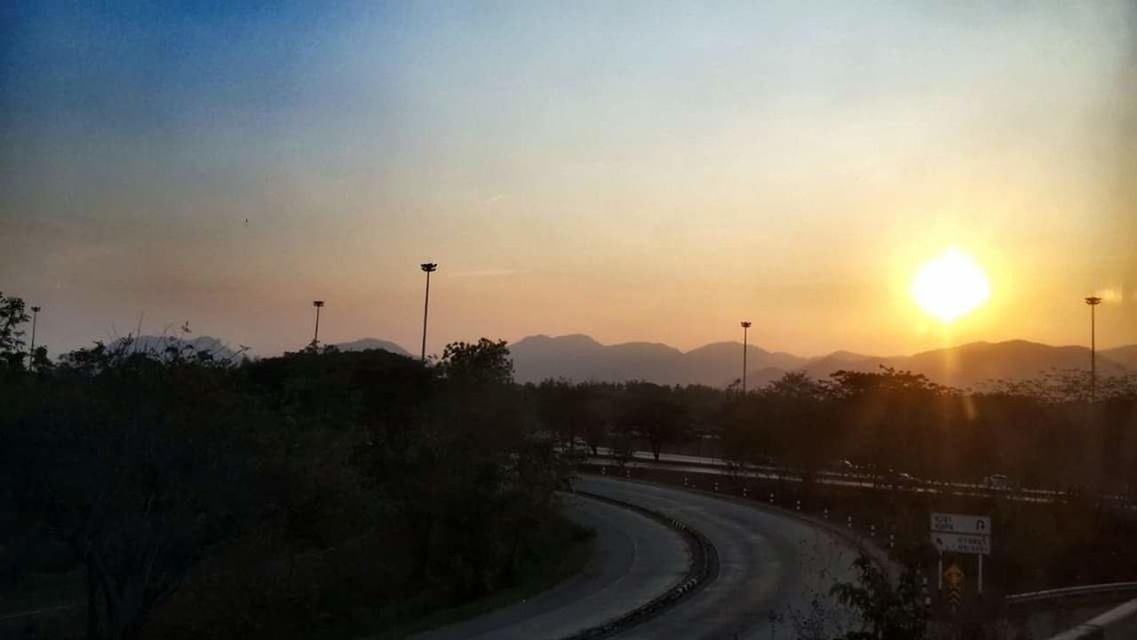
column 554, row 568
column 58, row 598
column 39, row 590
column 564, row 549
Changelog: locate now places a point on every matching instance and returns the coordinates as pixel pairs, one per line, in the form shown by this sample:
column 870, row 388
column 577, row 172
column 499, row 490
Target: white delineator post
column 940, row 572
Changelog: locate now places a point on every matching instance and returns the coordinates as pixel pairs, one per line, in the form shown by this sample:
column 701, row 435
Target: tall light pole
column 745, row 348
column 319, row 304
column 35, row 316
column 1093, row 301
column 429, row 268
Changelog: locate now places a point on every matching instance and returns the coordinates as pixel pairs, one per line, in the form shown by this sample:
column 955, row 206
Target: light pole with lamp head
column 745, row 348
column 32, row 351
column 1093, row 301
column 429, row 268
column 319, row 304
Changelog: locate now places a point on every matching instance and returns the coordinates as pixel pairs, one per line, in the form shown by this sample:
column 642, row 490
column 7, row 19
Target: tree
column 623, row 445
column 886, row 612
column 119, row 456
column 746, row 436
column 484, row 362
column 12, row 314
column 888, row 417
column 799, row 407
column 571, row 411
column 654, row 412
column 464, row 478
column 558, row 409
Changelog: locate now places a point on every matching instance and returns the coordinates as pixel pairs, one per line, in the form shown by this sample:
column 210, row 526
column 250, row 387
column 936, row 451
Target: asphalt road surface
column 635, row 560
column 775, row 571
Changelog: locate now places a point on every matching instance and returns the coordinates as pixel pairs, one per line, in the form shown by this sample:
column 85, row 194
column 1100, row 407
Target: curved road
column 775, row 571
column 635, row 560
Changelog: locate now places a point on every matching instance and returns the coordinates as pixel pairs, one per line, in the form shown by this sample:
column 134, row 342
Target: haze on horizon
column 632, row 171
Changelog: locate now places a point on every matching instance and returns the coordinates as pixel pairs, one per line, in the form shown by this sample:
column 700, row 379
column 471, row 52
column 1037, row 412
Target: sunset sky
column 649, row 171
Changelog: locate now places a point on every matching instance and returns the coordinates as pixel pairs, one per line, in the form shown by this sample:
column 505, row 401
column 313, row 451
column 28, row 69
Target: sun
column 950, row 285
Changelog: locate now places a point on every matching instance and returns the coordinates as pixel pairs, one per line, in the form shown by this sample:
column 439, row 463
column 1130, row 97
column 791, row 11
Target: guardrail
column 1121, row 589
column 869, row 480
column 703, row 570
column 1119, row 622
column 1116, row 624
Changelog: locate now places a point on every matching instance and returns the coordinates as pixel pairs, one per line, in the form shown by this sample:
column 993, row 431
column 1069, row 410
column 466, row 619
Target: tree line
column 315, row 494
column 1040, row 433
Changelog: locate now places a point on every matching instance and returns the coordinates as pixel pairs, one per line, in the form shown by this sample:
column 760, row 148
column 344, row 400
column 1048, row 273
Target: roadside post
column 954, row 577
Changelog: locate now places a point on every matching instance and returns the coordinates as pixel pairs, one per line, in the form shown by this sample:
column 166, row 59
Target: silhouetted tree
column 483, row 362
column 886, row 612
column 655, row 413
column 119, row 456
column 13, row 313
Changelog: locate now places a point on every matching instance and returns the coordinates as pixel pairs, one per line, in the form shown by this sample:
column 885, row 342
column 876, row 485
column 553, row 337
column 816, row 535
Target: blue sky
column 631, row 170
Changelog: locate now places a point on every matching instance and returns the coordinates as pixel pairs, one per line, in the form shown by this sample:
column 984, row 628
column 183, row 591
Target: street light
column 745, row 329
column 429, row 268
column 35, row 316
column 1093, row 301
column 319, row 304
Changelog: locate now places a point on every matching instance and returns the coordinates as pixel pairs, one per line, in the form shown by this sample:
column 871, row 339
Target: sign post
column 954, row 577
column 958, row 533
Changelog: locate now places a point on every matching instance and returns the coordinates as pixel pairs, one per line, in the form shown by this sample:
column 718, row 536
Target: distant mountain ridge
column 1124, row 356
column 365, row 344
column 579, row 357
column 976, row 363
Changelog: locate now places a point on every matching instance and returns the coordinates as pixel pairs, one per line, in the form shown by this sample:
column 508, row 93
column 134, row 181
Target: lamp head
column 317, row 303
column 429, row 267
column 1093, row 300
column 745, row 324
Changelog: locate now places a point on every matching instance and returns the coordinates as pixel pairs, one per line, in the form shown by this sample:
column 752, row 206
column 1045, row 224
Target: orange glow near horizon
column 632, row 171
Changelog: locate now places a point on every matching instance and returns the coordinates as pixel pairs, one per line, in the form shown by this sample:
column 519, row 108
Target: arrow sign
column 957, row 523
column 954, row 576
column 961, row 543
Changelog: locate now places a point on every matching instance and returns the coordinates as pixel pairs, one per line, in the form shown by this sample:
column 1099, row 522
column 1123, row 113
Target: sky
column 636, row 171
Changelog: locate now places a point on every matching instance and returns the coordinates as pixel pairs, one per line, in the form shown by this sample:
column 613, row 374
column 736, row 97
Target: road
column 635, row 560
column 775, row 572
column 772, row 567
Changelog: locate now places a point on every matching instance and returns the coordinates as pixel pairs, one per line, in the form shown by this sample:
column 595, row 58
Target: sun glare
column 950, row 285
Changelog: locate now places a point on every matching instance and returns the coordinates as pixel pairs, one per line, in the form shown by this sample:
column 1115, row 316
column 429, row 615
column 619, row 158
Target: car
column 998, row 482
column 907, row 479
column 764, row 461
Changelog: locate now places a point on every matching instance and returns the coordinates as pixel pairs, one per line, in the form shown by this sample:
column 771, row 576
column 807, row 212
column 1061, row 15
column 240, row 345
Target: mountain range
column 581, row 358
column 366, row 344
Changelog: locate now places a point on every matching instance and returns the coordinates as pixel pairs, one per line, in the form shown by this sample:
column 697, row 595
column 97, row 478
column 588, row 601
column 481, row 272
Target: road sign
column 961, row 543
column 959, row 533
column 956, row 523
column 954, row 575
column 953, row 597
